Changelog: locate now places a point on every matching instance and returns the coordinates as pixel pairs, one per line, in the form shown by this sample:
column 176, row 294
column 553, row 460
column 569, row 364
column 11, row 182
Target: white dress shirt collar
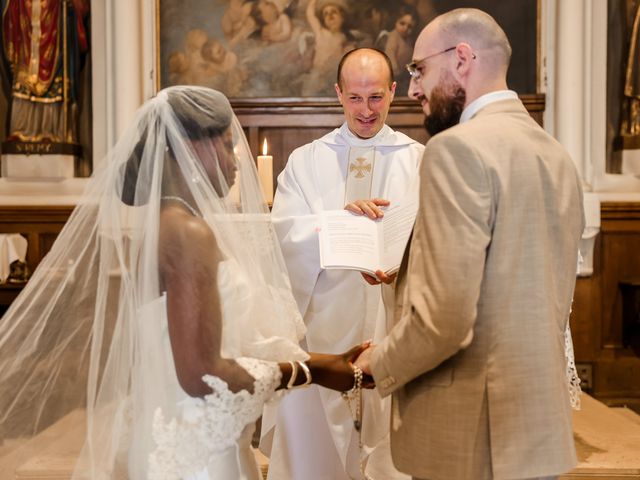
column 484, row 100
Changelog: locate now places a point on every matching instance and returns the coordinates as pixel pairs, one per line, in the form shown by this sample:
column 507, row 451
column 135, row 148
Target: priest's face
column 365, row 92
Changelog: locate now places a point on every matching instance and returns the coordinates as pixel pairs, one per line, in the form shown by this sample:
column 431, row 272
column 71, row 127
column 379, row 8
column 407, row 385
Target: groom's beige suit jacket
column 475, row 358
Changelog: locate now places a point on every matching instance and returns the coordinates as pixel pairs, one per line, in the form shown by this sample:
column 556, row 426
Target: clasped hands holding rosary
column 360, row 363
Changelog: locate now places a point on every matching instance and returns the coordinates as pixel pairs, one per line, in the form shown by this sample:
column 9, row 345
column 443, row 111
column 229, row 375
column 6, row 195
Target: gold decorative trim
column 539, row 54
column 157, row 42
column 31, row 98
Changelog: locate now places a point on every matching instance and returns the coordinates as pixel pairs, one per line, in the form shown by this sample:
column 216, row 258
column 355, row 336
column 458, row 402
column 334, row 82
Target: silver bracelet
column 307, row 375
column 294, row 375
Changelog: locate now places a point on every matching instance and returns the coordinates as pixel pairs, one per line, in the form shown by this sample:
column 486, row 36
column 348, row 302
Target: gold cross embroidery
column 361, row 167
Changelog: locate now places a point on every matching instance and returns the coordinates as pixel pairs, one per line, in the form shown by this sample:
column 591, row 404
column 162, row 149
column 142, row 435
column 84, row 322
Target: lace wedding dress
column 195, row 438
column 89, row 334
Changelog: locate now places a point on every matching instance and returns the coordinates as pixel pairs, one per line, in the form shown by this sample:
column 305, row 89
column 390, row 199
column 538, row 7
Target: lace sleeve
column 211, row 424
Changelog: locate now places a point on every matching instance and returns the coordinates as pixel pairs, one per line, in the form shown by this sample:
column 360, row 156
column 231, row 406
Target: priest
column 363, row 166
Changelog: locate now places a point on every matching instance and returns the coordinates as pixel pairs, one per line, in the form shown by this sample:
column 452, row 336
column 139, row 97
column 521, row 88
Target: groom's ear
column 464, row 59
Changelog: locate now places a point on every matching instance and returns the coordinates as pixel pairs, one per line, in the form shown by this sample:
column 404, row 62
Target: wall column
column 574, row 44
column 570, row 82
column 118, row 38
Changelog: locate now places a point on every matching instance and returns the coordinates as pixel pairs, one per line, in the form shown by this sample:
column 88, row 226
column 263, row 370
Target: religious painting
column 291, row 48
column 623, row 87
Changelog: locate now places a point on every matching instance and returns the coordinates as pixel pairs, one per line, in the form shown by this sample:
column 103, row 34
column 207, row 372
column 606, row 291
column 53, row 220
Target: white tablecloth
column 13, row 246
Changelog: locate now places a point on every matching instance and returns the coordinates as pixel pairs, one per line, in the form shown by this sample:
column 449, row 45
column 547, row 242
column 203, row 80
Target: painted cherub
column 216, row 58
column 332, row 39
column 220, row 69
column 237, row 22
column 178, row 66
column 183, row 65
column 330, row 32
column 277, row 24
column 399, row 44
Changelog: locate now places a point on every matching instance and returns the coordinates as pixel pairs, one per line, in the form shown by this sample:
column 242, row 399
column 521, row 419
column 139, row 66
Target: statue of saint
column 44, row 44
column 630, row 125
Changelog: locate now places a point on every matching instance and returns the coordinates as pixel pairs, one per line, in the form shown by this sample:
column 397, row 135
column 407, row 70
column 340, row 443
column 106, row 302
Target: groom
column 475, row 359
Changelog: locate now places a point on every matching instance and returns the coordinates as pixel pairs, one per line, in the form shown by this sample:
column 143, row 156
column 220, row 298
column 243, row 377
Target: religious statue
column 630, row 125
column 44, row 45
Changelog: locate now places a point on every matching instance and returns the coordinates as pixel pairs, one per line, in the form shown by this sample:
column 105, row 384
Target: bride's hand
column 336, row 371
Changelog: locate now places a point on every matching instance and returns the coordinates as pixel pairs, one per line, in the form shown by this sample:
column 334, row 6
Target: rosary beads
column 353, row 398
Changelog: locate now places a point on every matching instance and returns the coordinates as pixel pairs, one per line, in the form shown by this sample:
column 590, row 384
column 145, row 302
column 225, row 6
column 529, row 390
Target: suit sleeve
column 296, row 226
column 445, row 267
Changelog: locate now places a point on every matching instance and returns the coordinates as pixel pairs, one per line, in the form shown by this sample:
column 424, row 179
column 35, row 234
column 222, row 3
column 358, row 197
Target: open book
column 355, row 242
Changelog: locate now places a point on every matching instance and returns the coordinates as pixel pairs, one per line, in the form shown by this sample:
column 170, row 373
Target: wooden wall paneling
column 33, row 249
column 616, row 369
column 252, row 134
column 617, row 381
column 288, row 123
column 583, row 319
column 620, row 232
column 46, row 242
column 286, row 139
column 596, row 319
column 40, row 225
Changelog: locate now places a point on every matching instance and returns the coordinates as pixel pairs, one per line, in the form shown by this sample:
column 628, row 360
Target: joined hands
column 363, row 361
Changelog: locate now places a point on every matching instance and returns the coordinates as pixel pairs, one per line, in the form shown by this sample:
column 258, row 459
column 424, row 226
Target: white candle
column 265, row 172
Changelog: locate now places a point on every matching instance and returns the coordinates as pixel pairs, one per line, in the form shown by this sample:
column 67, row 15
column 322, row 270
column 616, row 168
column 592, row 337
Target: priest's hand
column 380, row 277
column 370, row 208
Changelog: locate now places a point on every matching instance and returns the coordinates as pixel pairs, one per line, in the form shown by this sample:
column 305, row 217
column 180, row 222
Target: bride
column 162, row 320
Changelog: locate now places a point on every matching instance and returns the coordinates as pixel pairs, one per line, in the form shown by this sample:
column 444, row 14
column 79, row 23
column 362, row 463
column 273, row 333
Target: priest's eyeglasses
column 414, row 67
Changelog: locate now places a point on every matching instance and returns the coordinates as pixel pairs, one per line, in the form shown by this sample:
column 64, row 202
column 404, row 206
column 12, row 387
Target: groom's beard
column 446, row 104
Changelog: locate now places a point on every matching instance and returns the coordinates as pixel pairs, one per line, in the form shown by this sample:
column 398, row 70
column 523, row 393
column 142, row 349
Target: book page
column 397, row 224
column 349, row 241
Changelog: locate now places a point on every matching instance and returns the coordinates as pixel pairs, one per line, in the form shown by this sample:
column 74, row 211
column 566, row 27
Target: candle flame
column 264, row 146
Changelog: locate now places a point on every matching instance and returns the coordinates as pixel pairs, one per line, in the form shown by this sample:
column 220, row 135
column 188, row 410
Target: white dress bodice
column 175, row 436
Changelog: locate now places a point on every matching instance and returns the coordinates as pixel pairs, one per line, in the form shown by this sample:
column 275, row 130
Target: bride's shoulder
column 184, row 234
column 175, row 221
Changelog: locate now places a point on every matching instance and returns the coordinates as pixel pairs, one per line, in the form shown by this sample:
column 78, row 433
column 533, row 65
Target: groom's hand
column 364, row 360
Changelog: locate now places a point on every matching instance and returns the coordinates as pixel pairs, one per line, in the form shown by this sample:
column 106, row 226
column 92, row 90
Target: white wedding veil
column 70, row 348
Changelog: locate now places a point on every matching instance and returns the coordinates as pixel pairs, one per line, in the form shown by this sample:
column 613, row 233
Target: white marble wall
column 123, row 46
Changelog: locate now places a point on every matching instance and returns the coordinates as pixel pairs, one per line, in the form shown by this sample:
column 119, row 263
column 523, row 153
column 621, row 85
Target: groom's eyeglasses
column 414, row 67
